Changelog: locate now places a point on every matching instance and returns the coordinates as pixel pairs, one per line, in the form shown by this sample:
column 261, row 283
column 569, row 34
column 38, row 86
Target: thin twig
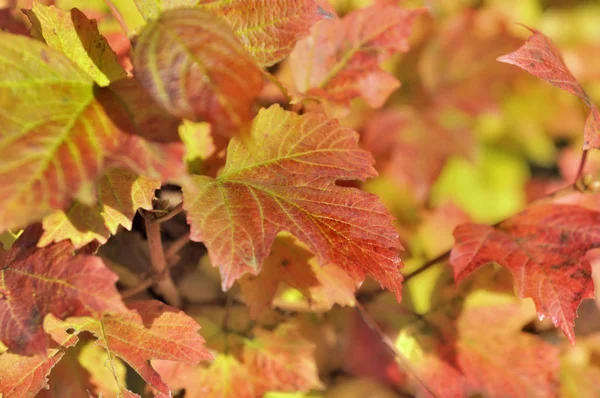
column 164, row 284
column 442, row 257
column 170, row 214
column 584, row 156
column 175, row 247
column 140, row 287
column 389, row 344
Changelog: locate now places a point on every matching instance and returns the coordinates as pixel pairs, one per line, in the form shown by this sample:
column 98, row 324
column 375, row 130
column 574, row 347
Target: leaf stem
column 164, row 284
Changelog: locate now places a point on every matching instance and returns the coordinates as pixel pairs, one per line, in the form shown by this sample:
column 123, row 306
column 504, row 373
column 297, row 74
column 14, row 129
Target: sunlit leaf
column 283, row 179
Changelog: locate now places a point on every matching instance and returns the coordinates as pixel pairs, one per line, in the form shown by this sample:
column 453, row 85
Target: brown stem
column 170, row 214
column 164, row 284
column 389, row 344
column 175, row 247
column 584, row 156
column 115, row 12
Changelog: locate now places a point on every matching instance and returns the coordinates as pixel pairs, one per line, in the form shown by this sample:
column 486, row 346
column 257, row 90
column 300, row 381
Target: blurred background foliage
column 465, row 138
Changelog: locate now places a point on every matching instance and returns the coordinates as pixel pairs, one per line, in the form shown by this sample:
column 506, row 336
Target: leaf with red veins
column 234, row 381
column 540, row 57
column 78, row 38
column 284, row 179
column 281, row 360
column 268, row 29
column 150, row 330
column 545, row 249
column 195, row 67
column 120, row 193
column 290, row 263
column 340, row 60
column 36, row 282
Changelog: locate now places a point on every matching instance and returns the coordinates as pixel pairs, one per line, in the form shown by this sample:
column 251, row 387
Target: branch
column 164, row 284
column 389, row 344
column 166, row 217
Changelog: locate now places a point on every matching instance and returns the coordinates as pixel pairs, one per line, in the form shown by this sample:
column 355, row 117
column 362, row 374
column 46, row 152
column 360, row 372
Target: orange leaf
column 283, row 179
column 150, row 330
column 281, row 360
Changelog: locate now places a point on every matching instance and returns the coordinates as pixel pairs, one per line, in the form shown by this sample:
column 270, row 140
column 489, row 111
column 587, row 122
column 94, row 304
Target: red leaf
column 540, row 57
column 269, row 29
column 340, row 60
column 35, row 282
column 24, row 376
column 151, row 330
column 283, row 179
column 196, row 68
column 544, row 247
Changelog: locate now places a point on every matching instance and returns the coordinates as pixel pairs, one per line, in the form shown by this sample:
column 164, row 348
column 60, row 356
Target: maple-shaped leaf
column 35, row 282
column 340, row 59
column 291, row 264
column 268, row 29
column 540, row 57
column 120, row 193
column 150, row 330
column 58, row 139
column 225, row 377
column 545, row 249
column 78, row 38
column 283, row 179
column 196, row 68
column 281, row 360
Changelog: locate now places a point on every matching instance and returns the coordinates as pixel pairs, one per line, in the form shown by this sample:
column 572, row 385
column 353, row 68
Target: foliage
column 298, row 198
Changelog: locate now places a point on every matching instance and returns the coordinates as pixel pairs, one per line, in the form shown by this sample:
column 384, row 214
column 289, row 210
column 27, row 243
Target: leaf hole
column 70, row 331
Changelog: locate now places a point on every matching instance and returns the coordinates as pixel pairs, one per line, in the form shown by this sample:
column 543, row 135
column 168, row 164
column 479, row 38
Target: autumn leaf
column 24, row 376
column 36, row 282
column 120, row 194
column 472, row 343
column 545, row 249
column 340, row 60
column 540, row 57
column 58, row 138
column 283, row 179
column 290, row 263
column 461, row 59
column 199, row 382
column 196, row 68
column 281, row 360
column 78, row 38
column 268, row 29
column 150, row 330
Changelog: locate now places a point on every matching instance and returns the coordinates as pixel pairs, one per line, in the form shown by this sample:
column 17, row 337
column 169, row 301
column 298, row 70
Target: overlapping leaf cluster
column 311, row 144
